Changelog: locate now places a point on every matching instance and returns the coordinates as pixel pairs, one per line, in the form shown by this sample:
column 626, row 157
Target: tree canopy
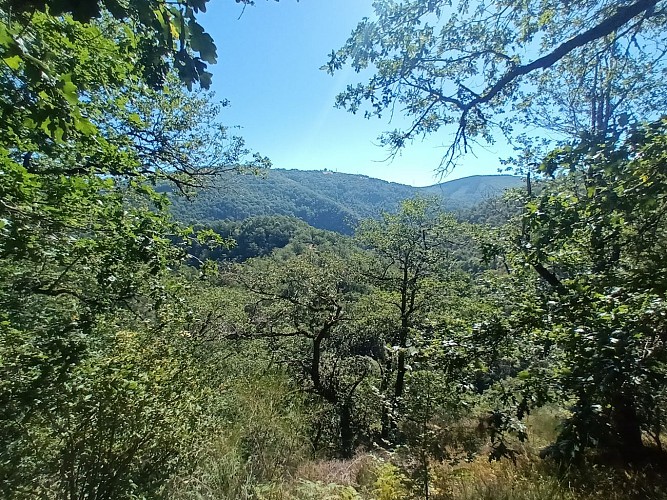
column 489, row 66
column 144, row 358
column 86, row 247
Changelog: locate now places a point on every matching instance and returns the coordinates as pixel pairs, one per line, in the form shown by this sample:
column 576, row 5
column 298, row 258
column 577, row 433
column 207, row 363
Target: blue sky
column 268, row 67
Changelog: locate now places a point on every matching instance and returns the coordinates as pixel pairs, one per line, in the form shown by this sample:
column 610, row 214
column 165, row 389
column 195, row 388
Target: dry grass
column 350, row 472
column 385, row 476
column 503, row 480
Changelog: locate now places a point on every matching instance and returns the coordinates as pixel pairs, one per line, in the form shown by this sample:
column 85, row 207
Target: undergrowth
column 226, row 473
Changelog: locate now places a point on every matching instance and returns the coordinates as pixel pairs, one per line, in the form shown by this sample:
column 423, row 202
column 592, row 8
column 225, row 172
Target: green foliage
column 85, row 242
column 87, row 252
column 115, row 425
column 596, row 237
column 488, row 66
column 411, row 267
column 327, row 200
column 302, row 306
column 309, row 490
column 161, row 36
column 263, row 235
column 124, row 373
column 260, row 442
column 389, row 482
column 168, row 137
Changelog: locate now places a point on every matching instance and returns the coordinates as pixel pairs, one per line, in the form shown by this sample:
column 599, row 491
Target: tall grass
column 264, row 456
column 256, row 449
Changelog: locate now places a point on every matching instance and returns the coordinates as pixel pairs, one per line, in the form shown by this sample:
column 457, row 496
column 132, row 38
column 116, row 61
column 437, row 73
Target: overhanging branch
column 605, row 28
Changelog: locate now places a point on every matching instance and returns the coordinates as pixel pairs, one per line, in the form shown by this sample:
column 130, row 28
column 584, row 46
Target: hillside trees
column 365, row 330
column 409, row 266
column 591, row 72
column 303, row 307
column 87, row 253
column 596, row 236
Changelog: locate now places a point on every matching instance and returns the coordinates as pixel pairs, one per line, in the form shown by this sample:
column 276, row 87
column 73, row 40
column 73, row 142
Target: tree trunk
column 400, row 376
column 346, row 432
column 400, row 365
column 628, row 429
column 399, row 387
column 385, row 420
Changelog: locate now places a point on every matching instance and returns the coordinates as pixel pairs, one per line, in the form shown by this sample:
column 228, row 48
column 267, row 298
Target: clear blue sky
column 268, row 67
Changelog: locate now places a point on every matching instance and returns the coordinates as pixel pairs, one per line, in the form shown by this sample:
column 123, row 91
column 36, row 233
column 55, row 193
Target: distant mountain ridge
column 467, row 192
column 328, row 200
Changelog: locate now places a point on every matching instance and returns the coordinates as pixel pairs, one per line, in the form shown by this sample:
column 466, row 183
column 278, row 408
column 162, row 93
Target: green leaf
column 5, row 37
column 202, row 43
column 69, row 90
column 84, row 126
column 14, row 62
column 135, row 119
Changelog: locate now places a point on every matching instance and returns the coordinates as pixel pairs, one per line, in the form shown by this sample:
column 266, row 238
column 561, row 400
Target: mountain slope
column 328, row 200
column 470, row 191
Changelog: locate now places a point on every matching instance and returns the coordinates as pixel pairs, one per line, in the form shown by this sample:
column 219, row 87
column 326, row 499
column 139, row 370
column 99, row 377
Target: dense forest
column 327, row 200
column 512, row 348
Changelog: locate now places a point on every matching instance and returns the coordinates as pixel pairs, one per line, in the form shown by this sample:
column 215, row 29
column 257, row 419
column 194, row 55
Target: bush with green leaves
column 90, row 123
column 117, row 425
column 596, row 238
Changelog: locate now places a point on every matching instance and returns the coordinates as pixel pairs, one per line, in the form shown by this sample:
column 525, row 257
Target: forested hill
column 328, row 200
